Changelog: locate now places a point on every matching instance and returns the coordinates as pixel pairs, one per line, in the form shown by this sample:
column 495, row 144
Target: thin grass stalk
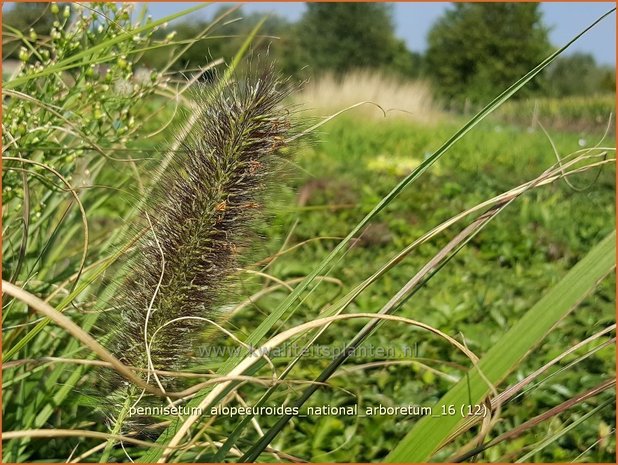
column 535, row 421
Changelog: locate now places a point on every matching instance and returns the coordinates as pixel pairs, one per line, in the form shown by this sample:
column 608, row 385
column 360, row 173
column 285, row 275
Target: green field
column 487, row 241
column 476, row 297
column 332, row 182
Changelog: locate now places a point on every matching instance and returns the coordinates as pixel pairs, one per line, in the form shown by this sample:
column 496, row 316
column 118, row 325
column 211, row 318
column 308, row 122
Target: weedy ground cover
column 59, row 178
column 585, row 114
column 479, row 295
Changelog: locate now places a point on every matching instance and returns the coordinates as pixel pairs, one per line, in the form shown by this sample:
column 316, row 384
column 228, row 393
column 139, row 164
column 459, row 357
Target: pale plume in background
column 411, row 99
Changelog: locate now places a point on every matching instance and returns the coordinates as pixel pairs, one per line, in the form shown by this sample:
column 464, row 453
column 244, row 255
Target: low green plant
column 588, row 114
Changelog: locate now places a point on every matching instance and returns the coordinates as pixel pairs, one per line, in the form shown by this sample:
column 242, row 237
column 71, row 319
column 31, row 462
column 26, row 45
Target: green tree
column 477, row 49
column 342, row 36
column 579, row 74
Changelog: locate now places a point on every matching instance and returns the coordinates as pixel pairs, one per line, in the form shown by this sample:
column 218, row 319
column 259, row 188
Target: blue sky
column 413, row 20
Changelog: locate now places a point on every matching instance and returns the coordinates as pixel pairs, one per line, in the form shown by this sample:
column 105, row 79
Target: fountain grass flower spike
column 196, row 223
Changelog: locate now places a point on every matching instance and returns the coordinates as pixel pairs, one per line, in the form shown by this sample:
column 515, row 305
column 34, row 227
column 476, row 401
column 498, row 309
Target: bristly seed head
column 197, row 220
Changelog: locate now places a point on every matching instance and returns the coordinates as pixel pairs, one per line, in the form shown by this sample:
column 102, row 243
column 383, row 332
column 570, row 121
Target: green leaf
column 431, row 431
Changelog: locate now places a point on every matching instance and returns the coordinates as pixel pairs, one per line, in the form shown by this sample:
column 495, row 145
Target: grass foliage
column 575, row 114
column 484, row 264
column 411, row 99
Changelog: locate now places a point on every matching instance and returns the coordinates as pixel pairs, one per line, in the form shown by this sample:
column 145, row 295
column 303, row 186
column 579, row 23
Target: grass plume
column 197, row 222
column 410, row 99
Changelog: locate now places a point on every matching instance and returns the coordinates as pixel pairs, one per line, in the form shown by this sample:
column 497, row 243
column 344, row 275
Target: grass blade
column 559, row 434
column 557, row 410
column 430, row 432
column 286, row 306
column 279, row 313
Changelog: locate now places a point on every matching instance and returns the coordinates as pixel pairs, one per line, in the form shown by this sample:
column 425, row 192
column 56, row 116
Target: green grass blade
column 561, row 433
column 86, row 281
column 241, row 52
column 430, row 432
column 256, row 336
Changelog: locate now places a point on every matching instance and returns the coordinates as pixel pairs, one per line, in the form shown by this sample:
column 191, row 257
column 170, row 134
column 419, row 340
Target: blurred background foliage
column 496, row 43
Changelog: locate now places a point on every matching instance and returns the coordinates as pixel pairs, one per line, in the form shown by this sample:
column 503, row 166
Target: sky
column 414, row 19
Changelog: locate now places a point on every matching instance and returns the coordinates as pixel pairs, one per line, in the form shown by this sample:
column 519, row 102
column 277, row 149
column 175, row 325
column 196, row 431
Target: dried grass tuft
column 410, row 99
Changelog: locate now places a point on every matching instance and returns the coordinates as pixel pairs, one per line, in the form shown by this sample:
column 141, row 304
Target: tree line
column 474, row 50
